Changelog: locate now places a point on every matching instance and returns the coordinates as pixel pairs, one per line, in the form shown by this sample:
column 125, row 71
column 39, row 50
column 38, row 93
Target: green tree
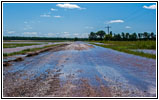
column 152, row 36
column 108, row 37
column 123, row 35
column 75, row 39
column 146, row 35
column 139, row 36
column 127, row 36
column 92, row 36
column 101, row 34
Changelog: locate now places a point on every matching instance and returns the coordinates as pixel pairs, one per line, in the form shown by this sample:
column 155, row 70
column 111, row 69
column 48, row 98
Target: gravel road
column 81, row 70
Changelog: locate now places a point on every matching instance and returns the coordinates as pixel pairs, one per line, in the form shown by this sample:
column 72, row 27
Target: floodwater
column 146, row 51
column 41, row 44
column 81, row 70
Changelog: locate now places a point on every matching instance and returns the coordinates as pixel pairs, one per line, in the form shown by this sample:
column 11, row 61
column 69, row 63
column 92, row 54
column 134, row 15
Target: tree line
column 42, row 38
column 101, row 35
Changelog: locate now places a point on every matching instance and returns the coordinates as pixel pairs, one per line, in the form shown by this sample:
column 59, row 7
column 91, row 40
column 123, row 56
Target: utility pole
column 108, row 28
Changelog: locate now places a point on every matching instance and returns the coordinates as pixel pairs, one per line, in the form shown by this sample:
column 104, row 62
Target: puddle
column 146, row 51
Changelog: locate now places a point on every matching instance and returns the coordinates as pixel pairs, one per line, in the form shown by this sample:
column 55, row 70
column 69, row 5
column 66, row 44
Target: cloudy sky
column 76, row 19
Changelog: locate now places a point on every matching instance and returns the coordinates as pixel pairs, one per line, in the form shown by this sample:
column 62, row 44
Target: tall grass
column 126, row 46
column 133, row 44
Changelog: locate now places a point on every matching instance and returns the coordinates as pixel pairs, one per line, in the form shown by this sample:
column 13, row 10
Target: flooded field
column 81, row 70
column 146, row 51
column 41, row 44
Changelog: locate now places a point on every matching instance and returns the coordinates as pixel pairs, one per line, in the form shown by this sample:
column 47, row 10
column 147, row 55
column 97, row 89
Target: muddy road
column 81, row 70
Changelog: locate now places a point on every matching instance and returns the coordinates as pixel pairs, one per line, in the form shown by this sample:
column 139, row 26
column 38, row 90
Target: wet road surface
column 81, row 70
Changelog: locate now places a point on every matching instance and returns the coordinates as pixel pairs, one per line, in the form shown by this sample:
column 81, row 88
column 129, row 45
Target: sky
column 76, row 19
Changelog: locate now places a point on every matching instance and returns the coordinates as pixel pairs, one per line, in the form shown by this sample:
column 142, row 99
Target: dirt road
column 81, row 70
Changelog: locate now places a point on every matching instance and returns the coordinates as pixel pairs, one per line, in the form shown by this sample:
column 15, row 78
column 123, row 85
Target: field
column 13, row 45
column 27, row 50
column 129, row 46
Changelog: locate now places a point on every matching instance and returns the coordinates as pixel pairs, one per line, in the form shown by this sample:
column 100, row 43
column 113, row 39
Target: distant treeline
column 101, row 35
column 42, row 38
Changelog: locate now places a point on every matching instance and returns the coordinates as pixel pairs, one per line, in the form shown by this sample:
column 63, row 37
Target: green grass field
column 126, row 46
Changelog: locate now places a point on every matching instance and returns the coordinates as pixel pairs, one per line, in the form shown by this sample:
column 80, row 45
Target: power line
column 108, row 28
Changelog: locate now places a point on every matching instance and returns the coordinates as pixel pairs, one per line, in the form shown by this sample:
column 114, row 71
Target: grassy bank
column 13, row 45
column 126, row 46
column 27, row 50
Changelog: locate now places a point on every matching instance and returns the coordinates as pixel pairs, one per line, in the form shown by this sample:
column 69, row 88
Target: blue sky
column 76, row 19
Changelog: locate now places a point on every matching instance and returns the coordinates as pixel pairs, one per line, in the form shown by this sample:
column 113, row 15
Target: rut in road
column 81, row 70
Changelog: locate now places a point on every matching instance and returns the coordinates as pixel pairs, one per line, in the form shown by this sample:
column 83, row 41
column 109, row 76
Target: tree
column 134, row 35
column 92, row 36
column 127, row 36
column 152, row 36
column 123, row 35
column 108, row 37
column 75, row 39
column 101, row 34
column 139, row 35
column 117, row 37
column 111, row 33
column 146, row 35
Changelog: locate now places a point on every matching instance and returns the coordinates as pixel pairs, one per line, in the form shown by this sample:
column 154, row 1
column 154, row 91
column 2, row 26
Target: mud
column 78, row 46
column 81, row 70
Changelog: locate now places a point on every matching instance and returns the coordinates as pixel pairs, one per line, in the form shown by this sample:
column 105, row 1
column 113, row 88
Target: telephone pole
column 108, row 28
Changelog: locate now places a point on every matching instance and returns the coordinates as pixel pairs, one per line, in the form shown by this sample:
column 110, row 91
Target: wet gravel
column 81, row 70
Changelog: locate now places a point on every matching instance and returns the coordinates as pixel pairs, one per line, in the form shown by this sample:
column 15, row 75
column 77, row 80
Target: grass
column 13, row 45
column 126, row 46
column 27, row 50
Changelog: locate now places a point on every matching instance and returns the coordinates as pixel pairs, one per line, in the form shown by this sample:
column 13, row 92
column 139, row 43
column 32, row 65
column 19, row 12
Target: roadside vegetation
column 49, row 39
column 101, row 35
column 27, row 50
column 125, row 42
column 13, row 45
column 128, row 46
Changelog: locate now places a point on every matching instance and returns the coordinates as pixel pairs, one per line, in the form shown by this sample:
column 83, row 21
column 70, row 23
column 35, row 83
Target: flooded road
column 81, row 70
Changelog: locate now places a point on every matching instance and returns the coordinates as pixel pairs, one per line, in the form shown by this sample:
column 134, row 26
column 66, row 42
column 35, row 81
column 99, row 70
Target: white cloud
column 10, row 32
column 76, row 34
column 84, row 35
column 115, row 21
column 69, row 6
column 52, row 9
column 30, row 33
column 27, row 27
column 57, row 16
column 150, row 7
column 127, row 27
column 66, row 35
column 45, row 15
column 51, row 34
column 66, row 32
column 89, row 27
